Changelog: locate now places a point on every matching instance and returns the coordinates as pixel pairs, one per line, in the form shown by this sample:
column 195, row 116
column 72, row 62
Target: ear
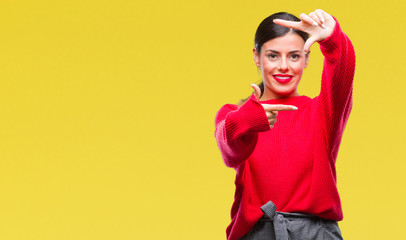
column 256, row 57
column 307, row 59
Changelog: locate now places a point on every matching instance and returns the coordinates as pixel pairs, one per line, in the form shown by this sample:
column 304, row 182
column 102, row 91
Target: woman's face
column 282, row 61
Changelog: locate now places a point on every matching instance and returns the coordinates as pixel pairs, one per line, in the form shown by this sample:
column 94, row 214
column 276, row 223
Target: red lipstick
column 282, row 78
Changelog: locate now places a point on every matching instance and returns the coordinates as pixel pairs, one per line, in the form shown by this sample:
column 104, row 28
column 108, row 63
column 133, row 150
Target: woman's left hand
column 318, row 24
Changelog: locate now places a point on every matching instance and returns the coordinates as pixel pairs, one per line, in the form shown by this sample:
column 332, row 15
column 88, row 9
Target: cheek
column 298, row 68
column 268, row 66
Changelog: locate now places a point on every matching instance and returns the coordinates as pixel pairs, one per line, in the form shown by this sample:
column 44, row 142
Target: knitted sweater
column 292, row 164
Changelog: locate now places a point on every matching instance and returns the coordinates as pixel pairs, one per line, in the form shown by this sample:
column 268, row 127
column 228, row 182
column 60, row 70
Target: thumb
column 257, row 91
column 309, row 42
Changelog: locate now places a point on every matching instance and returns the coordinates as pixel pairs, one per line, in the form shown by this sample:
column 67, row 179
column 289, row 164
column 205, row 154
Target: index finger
column 288, row 24
column 279, row 107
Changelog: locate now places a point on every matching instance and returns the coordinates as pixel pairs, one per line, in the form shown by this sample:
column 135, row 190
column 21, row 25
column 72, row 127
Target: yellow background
column 107, row 115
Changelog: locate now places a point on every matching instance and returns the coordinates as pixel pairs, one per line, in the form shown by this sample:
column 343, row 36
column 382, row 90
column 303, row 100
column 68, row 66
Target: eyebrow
column 274, row 51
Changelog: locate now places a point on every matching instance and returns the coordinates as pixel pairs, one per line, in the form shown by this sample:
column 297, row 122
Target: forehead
column 288, row 42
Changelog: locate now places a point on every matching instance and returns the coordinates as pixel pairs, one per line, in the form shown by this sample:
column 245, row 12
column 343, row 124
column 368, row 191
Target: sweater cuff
column 251, row 117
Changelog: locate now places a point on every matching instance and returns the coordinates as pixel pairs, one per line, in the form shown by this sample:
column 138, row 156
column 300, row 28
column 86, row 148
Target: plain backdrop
column 107, row 115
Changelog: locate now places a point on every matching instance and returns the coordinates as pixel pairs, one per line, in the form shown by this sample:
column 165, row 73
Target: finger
column 268, row 114
column 316, row 18
column 288, row 24
column 309, row 42
column 327, row 17
column 272, row 121
column 319, row 13
column 278, row 107
column 308, row 20
column 271, row 114
column 324, row 13
column 257, row 91
column 320, row 16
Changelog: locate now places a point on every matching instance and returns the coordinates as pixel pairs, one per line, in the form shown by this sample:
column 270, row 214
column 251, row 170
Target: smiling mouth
column 283, row 78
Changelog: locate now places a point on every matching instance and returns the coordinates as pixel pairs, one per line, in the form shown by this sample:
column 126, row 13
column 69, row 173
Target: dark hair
column 268, row 30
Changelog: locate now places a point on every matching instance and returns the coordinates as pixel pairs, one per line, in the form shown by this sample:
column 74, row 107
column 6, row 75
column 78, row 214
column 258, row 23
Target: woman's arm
column 335, row 99
column 237, row 130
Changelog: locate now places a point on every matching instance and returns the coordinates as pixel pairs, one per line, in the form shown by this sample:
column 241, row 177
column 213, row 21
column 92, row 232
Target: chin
column 286, row 93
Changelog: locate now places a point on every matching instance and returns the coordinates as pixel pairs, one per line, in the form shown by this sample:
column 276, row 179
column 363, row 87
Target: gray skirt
column 292, row 226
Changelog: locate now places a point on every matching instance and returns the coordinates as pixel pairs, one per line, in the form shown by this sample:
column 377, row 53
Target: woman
column 289, row 165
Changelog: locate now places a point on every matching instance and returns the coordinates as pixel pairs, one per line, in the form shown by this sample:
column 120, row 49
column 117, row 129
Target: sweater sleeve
column 237, row 130
column 335, row 99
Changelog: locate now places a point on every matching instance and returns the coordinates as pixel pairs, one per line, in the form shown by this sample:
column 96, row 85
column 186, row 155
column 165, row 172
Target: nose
column 283, row 65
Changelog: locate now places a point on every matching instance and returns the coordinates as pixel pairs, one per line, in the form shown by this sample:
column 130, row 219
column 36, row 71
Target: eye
column 295, row 56
column 272, row 56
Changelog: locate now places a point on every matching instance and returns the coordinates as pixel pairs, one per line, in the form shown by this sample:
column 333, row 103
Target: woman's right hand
column 318, row 24
column 271, row 110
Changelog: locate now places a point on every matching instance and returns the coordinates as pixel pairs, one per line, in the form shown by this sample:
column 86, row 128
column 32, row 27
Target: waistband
column 279, row 219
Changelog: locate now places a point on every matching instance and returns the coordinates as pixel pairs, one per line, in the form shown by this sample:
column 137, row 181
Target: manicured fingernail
column 322, row 20
column 323, row 26
column 315, row 24
column 295, row 108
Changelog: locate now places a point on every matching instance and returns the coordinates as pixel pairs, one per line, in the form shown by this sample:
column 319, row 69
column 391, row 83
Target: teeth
column 282, row 77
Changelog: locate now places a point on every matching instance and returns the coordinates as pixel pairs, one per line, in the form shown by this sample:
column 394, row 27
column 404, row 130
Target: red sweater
column 292, row 164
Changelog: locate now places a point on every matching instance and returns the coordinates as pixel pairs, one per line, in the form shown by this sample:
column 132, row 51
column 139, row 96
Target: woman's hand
column 318, row 24
column 271, row 110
